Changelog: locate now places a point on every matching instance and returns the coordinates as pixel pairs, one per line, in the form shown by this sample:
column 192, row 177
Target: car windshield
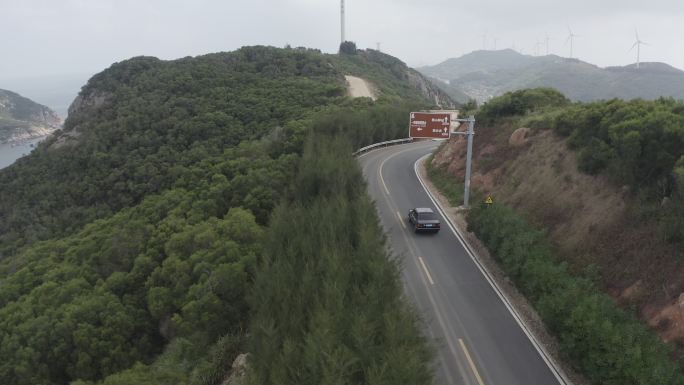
column 427, row 216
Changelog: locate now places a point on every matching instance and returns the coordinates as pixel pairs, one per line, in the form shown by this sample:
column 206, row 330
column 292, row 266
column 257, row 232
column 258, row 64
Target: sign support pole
column 469, row 158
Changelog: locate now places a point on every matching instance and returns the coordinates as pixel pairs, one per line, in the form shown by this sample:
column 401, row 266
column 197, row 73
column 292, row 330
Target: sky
column 53, row 38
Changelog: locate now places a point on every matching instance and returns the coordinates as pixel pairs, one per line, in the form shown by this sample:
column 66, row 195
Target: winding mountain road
column 478, row 340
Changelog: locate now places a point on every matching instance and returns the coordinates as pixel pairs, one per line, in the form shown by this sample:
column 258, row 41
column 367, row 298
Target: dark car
column 424, row 219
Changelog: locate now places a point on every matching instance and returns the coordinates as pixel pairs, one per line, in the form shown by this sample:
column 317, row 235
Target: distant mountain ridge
column 482, row 75
column 21, row 118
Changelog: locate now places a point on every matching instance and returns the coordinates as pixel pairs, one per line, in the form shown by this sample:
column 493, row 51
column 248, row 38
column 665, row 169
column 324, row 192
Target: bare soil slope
column 590, row 222
column 359, row 88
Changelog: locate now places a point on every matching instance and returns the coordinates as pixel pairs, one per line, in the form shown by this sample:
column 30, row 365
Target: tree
column 348, row 48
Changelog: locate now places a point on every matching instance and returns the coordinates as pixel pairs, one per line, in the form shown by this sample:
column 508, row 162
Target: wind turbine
column 637, row 44
column 571, row 38
column 496, row 39
column 484, row 41
column 546, row 40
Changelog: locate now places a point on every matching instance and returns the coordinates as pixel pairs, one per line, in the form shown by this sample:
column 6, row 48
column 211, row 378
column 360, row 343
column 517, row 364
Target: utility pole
column 342, row 20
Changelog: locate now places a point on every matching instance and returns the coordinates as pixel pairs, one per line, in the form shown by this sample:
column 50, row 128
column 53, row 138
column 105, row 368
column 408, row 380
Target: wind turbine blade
column 568, row 39
column 634, row 45
column 636, row 33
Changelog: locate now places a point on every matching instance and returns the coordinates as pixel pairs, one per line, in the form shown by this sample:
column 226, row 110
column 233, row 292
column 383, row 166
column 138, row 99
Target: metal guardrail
column 382, row 144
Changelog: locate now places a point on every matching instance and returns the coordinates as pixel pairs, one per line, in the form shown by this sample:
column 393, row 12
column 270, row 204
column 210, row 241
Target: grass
column 445, row 182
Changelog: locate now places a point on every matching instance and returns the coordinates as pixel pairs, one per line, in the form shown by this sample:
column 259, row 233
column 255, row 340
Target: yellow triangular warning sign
column 489, row 200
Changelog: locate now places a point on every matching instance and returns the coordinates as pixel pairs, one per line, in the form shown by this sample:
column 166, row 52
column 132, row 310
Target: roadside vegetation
column 147, row 248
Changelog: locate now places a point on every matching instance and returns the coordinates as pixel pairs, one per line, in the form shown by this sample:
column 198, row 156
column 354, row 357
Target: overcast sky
column 56, row 37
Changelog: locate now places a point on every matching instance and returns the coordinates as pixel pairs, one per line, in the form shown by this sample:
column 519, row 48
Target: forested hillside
column 131, row 241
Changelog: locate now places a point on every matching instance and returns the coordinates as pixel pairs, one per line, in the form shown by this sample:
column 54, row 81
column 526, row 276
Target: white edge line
column 557, row 372
column 427, row 272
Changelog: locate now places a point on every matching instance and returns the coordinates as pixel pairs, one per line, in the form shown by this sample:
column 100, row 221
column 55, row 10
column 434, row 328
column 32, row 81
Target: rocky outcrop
column 238, row 372
column 88, row 101
column 519, row 136
column 429, row 90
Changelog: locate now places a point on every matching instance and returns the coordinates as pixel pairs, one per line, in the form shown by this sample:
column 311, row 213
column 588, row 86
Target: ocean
column 11, row 152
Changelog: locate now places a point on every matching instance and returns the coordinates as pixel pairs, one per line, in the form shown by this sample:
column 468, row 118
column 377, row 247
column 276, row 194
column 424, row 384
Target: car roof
column 421, row 210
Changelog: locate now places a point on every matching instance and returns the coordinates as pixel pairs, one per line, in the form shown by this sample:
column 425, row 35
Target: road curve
column 477, row 339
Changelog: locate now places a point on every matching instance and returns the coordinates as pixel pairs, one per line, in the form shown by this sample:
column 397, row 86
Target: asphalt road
column 477, row 339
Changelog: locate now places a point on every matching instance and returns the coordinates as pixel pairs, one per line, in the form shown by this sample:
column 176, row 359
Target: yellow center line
column 401, row 220
column 427, row 272
column 470, row 362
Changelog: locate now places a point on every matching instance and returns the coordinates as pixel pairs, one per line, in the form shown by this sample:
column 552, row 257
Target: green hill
column 484, row 74
column 162, row 230
column 22, row 118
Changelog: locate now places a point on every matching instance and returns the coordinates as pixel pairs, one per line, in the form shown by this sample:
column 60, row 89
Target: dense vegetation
column 603, row 342
column 520, row 103
column 328, row 305
column 131, row 243
column 159, row 119
column 638, row 144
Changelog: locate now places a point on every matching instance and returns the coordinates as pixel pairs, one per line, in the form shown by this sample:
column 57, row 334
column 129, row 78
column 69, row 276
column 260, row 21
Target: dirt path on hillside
column 358, row 88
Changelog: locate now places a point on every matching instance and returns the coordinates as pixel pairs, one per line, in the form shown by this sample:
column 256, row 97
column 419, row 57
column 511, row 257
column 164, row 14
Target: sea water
column 11, row 152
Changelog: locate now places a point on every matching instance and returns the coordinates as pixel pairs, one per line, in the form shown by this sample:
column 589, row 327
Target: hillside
column 484, row 74
column 158, row 235
column 603, row 181
column 22, row 118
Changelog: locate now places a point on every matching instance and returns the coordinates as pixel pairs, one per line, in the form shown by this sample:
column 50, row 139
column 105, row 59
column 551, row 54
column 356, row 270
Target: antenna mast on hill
column 637, row 44
column 342, row 20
